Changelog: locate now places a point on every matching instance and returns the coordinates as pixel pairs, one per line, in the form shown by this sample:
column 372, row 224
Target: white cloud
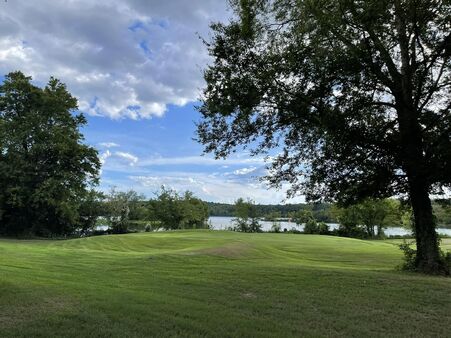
column 201, row 160
column 108, row 144
column 215, row 188
column 122, row 156
column 244, row 171
column 122, row 59
column 132, row 159
column 103, row 156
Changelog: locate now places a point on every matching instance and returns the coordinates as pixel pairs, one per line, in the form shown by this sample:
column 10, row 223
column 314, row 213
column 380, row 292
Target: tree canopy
column 354, row 96
column 45, row 168
column 175, row 211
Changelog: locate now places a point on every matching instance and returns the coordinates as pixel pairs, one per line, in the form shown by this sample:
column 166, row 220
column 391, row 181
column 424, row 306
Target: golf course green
column 216, row 283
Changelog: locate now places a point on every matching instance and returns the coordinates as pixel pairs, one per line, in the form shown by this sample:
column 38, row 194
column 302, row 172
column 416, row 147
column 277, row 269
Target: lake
column 223, row 223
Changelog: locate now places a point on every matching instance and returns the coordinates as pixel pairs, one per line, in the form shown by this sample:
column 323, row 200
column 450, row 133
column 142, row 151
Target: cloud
column 129, row 158
column 244, row 171
column 216, row 188
column 208, row 179
column 108, row 144
column 122, row 59
column 132, row 159
column 103, row 156
column 201, row 160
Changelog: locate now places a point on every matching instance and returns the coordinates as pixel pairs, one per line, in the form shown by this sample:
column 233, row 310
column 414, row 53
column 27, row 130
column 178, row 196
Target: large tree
column 353, row 95
column 45, row 168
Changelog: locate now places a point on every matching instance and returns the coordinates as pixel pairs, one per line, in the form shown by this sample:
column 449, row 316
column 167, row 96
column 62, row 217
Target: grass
column 213, row 283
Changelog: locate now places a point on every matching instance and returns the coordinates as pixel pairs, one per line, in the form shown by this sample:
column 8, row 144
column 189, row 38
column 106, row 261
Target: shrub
column 410, row 258
column 275, row 227
column 323, row 228
column 311, row 227
column 351, row 231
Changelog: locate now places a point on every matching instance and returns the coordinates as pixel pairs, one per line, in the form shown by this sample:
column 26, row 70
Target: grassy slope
column 202, row 283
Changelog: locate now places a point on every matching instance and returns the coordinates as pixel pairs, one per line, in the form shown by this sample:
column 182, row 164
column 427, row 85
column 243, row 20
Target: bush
column 323, row 228
column 351, row 231
column 410, row 257
column 311, row 227
column 275, row 227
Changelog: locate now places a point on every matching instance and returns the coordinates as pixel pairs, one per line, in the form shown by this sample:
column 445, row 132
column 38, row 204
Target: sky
column 135, row 67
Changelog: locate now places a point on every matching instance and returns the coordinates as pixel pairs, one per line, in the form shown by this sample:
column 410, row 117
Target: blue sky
column 135, row 67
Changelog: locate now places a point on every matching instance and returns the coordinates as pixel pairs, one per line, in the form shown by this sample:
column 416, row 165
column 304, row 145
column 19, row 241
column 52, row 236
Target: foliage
column 442, row 210
column 273, row 216
column 90, row 209
column 180, row 212
column 410, row 258
column 311, row 226
column 361, row 220
column 119, row 205
column 374, row 213
column 354, row 95
column 45, row 168
column 323, row 228
column 301, row 216
column 321, row 211
column 246, row 219
column 275, row 227
column 349, row 219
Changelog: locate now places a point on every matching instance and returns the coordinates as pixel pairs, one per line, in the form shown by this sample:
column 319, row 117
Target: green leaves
column 175, row 211
column 325, row 84
column 46, row 169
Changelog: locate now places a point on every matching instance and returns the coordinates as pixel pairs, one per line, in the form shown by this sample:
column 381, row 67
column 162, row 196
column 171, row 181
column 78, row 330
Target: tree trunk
column 428, row 258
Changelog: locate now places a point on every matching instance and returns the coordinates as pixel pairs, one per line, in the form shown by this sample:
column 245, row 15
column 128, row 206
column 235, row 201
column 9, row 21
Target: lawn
column 213, row 283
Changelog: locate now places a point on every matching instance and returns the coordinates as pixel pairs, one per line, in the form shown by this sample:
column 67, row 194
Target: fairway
column 213, row 283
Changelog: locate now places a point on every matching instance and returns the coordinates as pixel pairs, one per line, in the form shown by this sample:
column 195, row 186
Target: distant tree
column 46, row 169
column 276, row 227
column 118, row 205
column 167, row 209
column 354, row 95
column 194, row 212
column 323, row 228
column 442, row 210
column 349, row 219
column 373, row 214
column 90, row 209
column 180, row 212
column 246, row 219
column 311, row 226
column 274, row 218
column 302, row 216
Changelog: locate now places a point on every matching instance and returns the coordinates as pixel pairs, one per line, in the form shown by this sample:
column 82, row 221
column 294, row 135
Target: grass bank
column 213, row 283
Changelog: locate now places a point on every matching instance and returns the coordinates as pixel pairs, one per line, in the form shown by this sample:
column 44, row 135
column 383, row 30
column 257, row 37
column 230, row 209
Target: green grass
column 205, row 283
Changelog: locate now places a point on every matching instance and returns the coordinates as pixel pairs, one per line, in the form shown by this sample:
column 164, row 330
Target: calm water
column 223, row 223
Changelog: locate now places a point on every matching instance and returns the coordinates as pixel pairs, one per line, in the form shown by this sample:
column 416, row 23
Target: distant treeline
column 321, row 211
